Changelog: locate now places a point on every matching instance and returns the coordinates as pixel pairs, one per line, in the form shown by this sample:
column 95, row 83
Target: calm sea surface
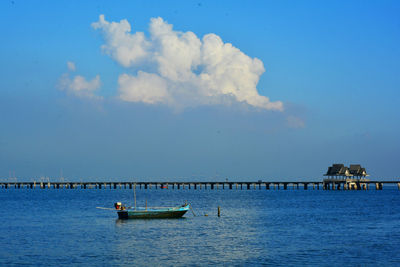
column 258, row 227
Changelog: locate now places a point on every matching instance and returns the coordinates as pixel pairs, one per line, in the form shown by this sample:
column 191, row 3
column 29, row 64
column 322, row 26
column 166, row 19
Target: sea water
column 63, row 227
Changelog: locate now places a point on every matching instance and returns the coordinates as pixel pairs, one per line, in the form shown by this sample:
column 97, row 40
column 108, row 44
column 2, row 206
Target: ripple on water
column 257, row 227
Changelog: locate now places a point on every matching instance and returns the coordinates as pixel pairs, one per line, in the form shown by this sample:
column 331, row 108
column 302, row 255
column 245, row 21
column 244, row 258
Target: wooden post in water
column 134, row 195
column 219, row 211
column 398, row 186
column 358, row 185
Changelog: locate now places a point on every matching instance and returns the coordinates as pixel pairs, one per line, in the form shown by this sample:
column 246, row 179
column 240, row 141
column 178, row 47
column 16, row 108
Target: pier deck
column 327, row 184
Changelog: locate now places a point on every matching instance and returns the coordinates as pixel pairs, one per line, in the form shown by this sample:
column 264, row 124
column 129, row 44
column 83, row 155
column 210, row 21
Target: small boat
column 150, row 213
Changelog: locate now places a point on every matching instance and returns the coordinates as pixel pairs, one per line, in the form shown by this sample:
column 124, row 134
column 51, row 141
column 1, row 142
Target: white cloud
column 71, row 66
column 79, row 86
column 121, row 45
column 187, row 71
column 145, row 87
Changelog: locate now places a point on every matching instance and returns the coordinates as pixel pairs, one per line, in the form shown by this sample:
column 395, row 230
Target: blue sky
column 334, row 66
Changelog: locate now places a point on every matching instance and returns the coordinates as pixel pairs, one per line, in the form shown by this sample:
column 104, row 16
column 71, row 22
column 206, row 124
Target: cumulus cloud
column 145, row 87
column 121, row 45
column 78, row 85
column 187, row 71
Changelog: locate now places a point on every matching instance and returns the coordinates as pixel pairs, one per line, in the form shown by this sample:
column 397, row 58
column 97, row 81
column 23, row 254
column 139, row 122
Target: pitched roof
column 341, row 170
column 355, row 168
column 336, row 169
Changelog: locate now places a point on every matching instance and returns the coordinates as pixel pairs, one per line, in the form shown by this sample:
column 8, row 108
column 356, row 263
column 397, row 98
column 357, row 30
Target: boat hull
column 153, row 214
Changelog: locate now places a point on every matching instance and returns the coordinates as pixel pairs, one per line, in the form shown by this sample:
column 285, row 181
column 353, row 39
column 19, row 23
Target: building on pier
column 338, row 171
column 357, row 171
column 349, row 176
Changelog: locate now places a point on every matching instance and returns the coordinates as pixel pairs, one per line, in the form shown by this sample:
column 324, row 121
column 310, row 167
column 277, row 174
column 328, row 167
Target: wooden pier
column 327, row 184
